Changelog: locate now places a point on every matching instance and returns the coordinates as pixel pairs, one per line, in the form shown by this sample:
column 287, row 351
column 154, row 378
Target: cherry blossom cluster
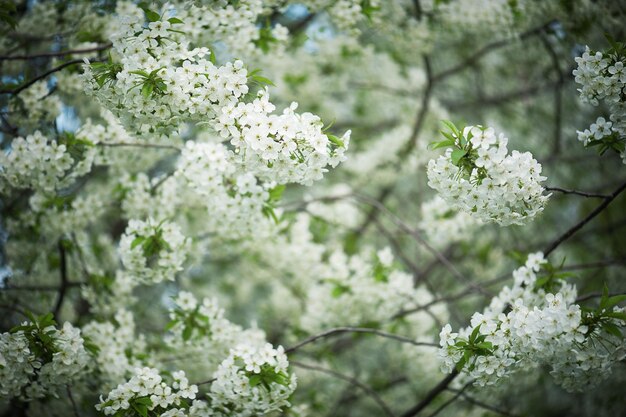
column 443, row 225
column 602, row 77
column 478, row 176
column 234, row 24
column 38, row 163
column 252, row 380
column 358, row 290
column 147, row 391
column 35, row 104
column 534, row 323
column 234, row 198
column 39, row 360
column 153, row 252
column 290, row 147
column 200, row 328
column 159, row 82
column 119, row 347
column 480, row 14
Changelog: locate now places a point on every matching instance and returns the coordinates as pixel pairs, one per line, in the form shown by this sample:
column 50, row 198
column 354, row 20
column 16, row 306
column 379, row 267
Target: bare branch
column 369, row 391
column 432, row 394
column 55, row 54
column 580, row 193
column 340, row 330
column 569, row 233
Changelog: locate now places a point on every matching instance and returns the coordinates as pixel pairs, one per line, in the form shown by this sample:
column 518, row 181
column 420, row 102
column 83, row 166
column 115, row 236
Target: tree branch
column 369, row 391
column 569, row 233
column 55, row 54
column 580, row 193
column 340, row 330
column 432, row 394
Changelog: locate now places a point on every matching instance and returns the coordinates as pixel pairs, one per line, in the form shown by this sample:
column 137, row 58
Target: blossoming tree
column 216, row 208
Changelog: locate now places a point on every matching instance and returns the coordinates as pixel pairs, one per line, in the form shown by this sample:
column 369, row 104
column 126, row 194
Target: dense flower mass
column 477, row 175
column 37, row 359
column 232, row 209
column 151, row 251
column 537, row 322
column 146, row 391
column 602, row 76
column 252, row 380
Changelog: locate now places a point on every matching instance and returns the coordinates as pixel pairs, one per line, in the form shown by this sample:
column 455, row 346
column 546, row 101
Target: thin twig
column 55, row 54
column 138, row 145
column 474, row 58
column 69, row 395
column 432, row 394
column 481, row 404
column 451, row 400
column 369, row 391
column 23, row 87
column 576, row 192
column 64, row 280
column 569, row 233
column 340, row 330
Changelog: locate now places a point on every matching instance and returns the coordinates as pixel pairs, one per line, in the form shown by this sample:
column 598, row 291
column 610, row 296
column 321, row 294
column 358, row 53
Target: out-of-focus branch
column 367, row 330
column 369, row 391
column 571, row 231
column 55, row 54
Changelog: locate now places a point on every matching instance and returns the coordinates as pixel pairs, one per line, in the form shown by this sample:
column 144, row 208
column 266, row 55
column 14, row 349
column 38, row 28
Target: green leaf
column 335, row 140
column 255, row 380
column 187, row 331
column 152, row 16
column 174, row 20
column 277, row 192
column 452, row 127
column 613, row 329
column 147, row 89
column 137, row 241
column 617, row 315
column 262, row 80
column 457, row 154
column 442, row 144
column 171, row 324
column 613, row 301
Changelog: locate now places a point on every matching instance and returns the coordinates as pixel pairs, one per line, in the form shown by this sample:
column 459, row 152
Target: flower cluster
column 119, row 346
column 290, row 147
column 252, row 380
column 235, row 25
column 477, row 175
column 534, row 323
column 41, row 164
column 37, row 359
column 153, row 252
column 358, row 291
column 602, row 77
column 36, row 104
column 146, row 391
column 238, row 204
column 442, row 225
column 159, row 83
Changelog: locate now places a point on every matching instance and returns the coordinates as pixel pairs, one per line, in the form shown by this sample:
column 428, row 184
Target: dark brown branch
column 340, row 330
column 138, row 145
column 369, row 391
column 55, row 54
column 64, row 280
column 481, row 404
column 473, row 59
column 24, row 86
column 569, row 233
column 69, row 395
column 580, row 193
column 451, row 400
column 432, row 394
